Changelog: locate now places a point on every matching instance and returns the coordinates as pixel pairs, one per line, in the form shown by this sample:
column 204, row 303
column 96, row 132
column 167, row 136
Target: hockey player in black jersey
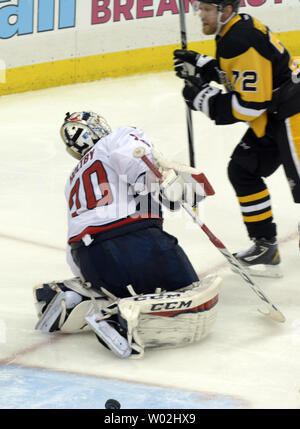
column 262, row 85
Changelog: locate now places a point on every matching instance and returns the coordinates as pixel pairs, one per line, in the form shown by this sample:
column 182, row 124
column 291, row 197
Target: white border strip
column 256, row 207
column 245, row 111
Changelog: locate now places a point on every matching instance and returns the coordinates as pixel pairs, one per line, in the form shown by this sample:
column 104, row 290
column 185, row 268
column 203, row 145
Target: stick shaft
column 189, row 121
column 182, row 24
column 152, row 167
column 230, row 258
column 273, row 313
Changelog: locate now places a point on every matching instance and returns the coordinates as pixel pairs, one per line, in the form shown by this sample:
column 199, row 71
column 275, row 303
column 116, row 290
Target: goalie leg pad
column 171, row 319
column 62, row 306
column 56, row 312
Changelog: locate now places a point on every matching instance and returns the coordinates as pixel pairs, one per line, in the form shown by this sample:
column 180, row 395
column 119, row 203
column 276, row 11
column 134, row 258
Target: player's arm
column 250, row 90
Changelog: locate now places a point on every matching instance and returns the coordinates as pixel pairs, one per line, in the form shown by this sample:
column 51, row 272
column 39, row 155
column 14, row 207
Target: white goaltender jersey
column 98, row 191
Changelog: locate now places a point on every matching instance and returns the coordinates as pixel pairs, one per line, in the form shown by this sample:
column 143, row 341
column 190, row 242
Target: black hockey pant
column 256, row 158
column 146, row 259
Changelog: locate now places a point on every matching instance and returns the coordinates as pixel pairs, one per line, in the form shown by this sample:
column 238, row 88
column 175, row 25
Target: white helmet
column 82, row 130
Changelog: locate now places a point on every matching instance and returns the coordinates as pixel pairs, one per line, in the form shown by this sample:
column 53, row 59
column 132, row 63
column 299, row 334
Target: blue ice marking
column 31, row 388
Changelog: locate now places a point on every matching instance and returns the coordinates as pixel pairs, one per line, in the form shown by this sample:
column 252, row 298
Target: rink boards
column 46, row 43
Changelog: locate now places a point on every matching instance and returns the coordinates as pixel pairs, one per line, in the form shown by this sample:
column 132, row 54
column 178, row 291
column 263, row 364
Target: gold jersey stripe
column 259, row 125
column 254, row 197
column 259, row 217
column 276, row 257
column 228, row 26
column 295, row 134
column 259, row 25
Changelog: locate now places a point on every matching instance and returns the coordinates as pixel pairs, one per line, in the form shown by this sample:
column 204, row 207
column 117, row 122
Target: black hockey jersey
column 253, row 65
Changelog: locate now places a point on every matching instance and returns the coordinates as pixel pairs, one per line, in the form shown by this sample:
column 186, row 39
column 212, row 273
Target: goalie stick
column 188, row 110
column 271, row 310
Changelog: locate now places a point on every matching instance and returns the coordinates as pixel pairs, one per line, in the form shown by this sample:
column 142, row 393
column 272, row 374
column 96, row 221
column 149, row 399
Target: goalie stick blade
column 274, row 314
column 271, row 311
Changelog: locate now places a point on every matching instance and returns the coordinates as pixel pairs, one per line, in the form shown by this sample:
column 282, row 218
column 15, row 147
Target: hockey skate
column 56, row 311
column 262, row 259
column 110, row 334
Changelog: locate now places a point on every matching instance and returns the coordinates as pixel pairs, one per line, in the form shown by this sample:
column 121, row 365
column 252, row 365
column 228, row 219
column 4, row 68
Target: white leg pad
column 69, row 306
column 58, row 308
column 171, row 319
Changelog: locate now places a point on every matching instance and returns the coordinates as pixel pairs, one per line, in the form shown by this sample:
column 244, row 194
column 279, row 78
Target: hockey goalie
column 134, row 286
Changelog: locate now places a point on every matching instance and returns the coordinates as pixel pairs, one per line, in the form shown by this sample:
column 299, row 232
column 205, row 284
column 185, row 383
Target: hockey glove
column 200, row 96
column 185, row 63
column 190, row 63
column 182, row 187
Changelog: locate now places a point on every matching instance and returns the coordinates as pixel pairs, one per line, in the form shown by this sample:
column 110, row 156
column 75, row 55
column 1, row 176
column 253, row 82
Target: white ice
column 246, row 356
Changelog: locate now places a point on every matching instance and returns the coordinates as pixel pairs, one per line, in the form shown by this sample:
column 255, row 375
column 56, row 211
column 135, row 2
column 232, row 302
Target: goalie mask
column 82, row 130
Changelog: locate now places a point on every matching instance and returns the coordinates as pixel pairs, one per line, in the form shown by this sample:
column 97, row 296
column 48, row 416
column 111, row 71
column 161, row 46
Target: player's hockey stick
column 189, row 121
column 271, row 310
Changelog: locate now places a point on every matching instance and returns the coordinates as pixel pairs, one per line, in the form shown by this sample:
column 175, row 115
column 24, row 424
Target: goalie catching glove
column 178, row 183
